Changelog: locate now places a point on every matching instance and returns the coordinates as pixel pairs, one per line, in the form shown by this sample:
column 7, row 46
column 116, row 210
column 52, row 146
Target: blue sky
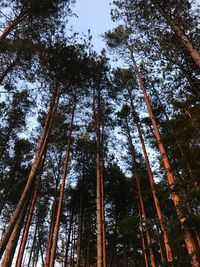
column 93, row 15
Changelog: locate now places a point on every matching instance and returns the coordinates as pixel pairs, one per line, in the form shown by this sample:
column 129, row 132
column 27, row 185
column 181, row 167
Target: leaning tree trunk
column 12, row 244
column 193, row 178
column 135, row 173
column 27, row 226
column 144, row 250
column 188, row 235
column 32, row 176
column 192, row 51
column 9, row 68
column 62, row 190
column 151, row 180
column 13, row 24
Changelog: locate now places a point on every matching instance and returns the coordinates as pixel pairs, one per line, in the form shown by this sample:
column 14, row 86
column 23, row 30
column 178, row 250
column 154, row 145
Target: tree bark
column 78, row 250
column 101, row 239
column 188, row 235
column 143, row 239
column 64, row 175
column 135, row 173
column 13, row 24
column 192, row 51
column 68, row 238
column 151, row 180
column 9, row 68
column 50, row 235
column 36, row 163
column 27, row 226
column 12, row 244
column 32, row 247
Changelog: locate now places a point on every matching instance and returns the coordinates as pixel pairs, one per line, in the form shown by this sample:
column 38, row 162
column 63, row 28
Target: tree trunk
column 143, row 213
column 151, row 180
column 50, row 236
column 142, row 237
column 12, row 244
column 99, row 212
column 27, row 226
column 68, row 238
column 101, row 238
column 188, row 236
column 103, row 213
column 192, row 51
column 135, row 173
column 36, row 163
column 162, row 254
column 9, row 68
column 32, row 247
column 13, row 24
column 112, row 248
column 64, row 175
column 40, row 248
column 78, row 250
column 193, row 179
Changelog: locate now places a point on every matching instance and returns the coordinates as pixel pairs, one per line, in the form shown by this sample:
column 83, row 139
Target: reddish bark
column 32, row 176
column 13, row 24
column 188, row 235
column 62, row 190
column 27, row 227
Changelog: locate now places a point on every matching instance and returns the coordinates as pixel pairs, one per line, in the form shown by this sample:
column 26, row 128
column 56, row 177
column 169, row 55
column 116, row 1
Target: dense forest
column 99, row 165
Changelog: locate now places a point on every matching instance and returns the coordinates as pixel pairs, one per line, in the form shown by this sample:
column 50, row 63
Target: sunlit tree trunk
column 188, row 235
column 193, row 178
column 151, row 180
column 27, row 226
column 12, row 244
column 192, row 51
column 101, row 239
column 162, row 254
column 62, row 190
column 137, row 178
column 36, row 163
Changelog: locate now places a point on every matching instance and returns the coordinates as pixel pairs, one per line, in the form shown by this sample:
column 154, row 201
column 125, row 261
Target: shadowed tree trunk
column 68, row 238
column 50, row 236
column 12, row 25
column 144, row 249
column 9, row 68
